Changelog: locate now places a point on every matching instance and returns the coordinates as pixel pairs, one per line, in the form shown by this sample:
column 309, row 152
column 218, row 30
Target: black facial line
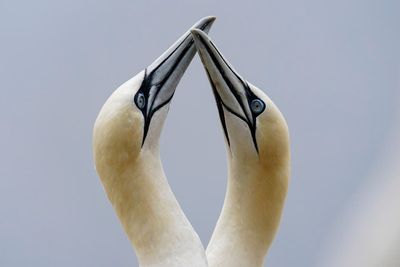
column 147, row 84
column 167, row 75
column 226, row 79
column 226, row 63
column 219, row 103
column 250, row 96
column 176, row 48
column 143, row 89
column 233, row 112
column 162, row 104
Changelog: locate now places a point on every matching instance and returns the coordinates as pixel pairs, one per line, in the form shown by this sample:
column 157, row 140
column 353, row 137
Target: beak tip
column 211, row 18
column 208, row 19
column 205, row 23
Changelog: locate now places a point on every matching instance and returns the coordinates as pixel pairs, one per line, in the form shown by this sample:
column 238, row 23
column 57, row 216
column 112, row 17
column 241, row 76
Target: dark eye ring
column 257, row 106
column 140, row 100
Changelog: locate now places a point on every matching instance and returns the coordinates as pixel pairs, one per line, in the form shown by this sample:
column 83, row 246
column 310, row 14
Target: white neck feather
column 135, row 183
column 152, row 217
column 250, row 215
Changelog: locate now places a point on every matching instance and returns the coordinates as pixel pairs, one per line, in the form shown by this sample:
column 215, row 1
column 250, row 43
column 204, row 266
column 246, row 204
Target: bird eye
column 257, row 106
column 140, row 100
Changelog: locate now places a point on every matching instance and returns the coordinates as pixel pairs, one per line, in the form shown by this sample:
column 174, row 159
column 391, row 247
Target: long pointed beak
column 232, row 93
column 166, row 71
column 227, row 84
column 163, row 75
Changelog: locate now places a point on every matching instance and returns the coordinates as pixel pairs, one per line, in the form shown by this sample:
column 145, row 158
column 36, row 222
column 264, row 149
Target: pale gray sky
column 332, row 67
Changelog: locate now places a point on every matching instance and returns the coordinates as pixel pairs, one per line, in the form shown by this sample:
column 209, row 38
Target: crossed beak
column 163, row 75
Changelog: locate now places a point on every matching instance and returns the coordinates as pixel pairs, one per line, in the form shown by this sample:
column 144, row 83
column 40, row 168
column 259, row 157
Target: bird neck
column 151, row 216
column 250, row 215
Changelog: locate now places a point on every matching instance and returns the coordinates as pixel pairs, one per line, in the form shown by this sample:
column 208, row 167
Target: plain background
column 332, row 67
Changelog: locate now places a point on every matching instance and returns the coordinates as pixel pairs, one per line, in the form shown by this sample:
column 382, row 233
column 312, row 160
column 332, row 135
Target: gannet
column 127, row 158
column 258, row 158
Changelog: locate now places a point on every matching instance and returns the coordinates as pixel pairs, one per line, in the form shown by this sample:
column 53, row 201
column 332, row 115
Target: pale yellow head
column 130, row 122
column 254, row 127
column 126, row 153
column 119, row 129
column 257, row 141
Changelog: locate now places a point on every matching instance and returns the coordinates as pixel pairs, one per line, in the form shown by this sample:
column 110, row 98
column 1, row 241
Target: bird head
column 131, row 120
column 253, row 126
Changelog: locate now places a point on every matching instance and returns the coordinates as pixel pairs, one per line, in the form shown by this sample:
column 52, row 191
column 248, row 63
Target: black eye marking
column 150, row 79
column 140, row 100
column 257, row 106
